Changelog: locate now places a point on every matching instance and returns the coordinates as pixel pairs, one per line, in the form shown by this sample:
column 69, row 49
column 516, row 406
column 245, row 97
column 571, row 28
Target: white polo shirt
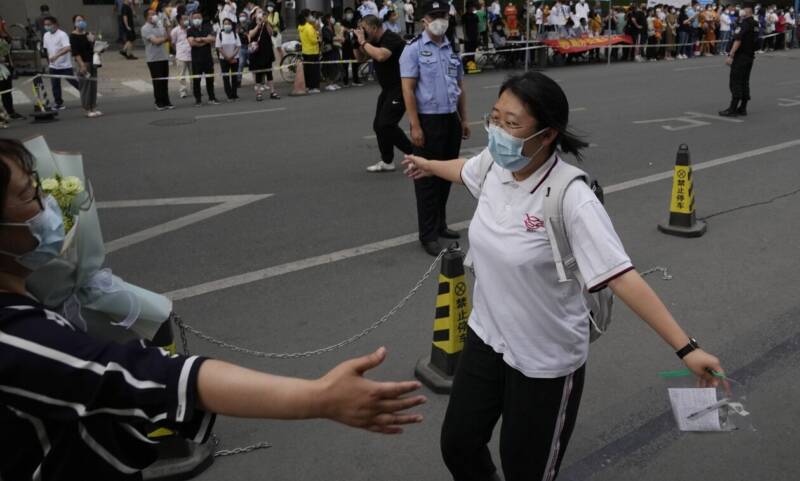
column 540, row 326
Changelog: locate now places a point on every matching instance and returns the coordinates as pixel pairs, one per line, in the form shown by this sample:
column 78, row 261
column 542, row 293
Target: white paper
column 686, row 401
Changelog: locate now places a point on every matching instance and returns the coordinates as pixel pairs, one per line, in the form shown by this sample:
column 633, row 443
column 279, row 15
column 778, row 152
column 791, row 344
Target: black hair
column 75, row 17
column 302, row 16
column 50, row 18
column 544, row 99
column 44, row 8
column 12, row 150
column 371, row 21
column 348, row 9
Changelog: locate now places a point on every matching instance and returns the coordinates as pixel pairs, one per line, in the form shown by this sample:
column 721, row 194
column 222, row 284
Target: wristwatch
column 688, row 348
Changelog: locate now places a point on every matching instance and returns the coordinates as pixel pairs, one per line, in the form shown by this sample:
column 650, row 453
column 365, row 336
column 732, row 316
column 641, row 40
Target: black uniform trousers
column 740, row 77
column 388, row 113
column 160, row 70
column 442, row 142
column 538, row 417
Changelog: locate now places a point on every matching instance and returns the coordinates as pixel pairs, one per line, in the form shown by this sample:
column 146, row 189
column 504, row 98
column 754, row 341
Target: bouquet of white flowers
column 76, row 283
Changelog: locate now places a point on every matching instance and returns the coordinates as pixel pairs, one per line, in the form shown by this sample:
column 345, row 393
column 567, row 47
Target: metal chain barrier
column 298, row 355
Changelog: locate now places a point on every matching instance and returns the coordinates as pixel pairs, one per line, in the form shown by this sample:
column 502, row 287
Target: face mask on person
column 227, row 28
column 153, row 19
column 47, row 227
column 187, row 23
column 197, row 22
column 270, row 9
column 242, row 20
column 506, row 149
column 80, row 24
column 348, row 16
column 50, row 28
column 438, row 27
column 260, row 16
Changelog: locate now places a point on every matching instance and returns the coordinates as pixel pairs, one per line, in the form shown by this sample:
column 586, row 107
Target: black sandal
column 274, row 96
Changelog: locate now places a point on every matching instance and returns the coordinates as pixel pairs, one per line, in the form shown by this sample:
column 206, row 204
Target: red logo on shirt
column 533, row 223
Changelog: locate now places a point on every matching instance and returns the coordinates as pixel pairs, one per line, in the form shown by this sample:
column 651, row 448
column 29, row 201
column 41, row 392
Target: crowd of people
column 234, row 37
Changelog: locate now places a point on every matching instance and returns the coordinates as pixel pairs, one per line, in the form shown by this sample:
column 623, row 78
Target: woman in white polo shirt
column 528, row 336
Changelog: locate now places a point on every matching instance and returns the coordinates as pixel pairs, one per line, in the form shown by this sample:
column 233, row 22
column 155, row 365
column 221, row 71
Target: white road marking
column 685, row 69
column 476, row 122
column 792, row 102
column 70, row 90
column 139, row 85
column 789, row 82
column 224, row 204
column 19, row 98
column 232, row 114
column 491, row 86
column 279, row 270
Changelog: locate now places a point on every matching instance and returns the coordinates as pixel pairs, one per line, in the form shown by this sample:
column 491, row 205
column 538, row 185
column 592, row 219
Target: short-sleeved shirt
column 539, row 325
column 438, row 71
column 202, row 54
column 183, row 51
column 388, row 72
column 747, row 33
column 153, row 52
column 55, row 41
column 228, row 42
column 81, row 47
column 74, row 407
column 127, row 13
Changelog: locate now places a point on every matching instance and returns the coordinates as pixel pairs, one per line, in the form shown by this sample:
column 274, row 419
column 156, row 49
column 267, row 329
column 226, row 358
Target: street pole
column 528, row 36
column 608, row 50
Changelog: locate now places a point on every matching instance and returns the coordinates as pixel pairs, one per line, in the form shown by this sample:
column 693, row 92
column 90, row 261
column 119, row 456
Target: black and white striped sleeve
column 52, row 371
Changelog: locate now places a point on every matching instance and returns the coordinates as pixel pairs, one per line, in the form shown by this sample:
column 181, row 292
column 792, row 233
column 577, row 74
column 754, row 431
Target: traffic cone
column 299, row 87
column 178, row 458
column 682, row 218
column 41, row 106
column 472, row 67
column 450, row 325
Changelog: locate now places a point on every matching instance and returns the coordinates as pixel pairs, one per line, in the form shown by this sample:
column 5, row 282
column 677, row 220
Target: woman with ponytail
column 528, row 339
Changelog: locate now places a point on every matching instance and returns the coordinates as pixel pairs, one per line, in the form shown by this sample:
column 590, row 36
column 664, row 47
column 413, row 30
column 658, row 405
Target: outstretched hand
column 351, row 399
column 416, row 167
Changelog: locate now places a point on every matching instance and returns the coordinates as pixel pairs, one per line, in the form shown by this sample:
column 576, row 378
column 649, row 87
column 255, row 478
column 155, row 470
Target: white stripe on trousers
column 555, row 444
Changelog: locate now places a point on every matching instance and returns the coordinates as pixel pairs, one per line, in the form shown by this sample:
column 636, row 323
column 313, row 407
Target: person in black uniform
column 384, row 48
column 741, row 60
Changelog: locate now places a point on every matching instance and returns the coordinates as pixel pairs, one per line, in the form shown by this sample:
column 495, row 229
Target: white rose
column 71, row 185
column 49, row 185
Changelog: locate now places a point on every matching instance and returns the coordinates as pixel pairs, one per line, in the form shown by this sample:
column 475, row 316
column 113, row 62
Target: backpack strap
column 555, row 190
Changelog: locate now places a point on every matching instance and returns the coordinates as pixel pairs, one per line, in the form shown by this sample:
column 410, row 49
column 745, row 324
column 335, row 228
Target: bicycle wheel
column 289, row 67
column 365, row 71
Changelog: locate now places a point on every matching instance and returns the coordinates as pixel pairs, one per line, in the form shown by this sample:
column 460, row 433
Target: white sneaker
column 331, row 88
column 381, row 166
column 313, row 91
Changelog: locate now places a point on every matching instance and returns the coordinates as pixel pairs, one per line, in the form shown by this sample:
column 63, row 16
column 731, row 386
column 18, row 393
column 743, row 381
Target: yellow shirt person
column 309, row 39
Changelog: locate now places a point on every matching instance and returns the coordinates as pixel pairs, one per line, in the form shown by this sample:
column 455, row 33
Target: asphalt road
column 735, row 289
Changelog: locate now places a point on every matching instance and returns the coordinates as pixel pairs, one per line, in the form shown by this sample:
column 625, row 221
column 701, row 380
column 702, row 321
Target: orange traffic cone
column 299, row 87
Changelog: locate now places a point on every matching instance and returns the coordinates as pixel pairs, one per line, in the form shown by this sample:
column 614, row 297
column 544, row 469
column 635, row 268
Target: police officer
column 435, row 103
column 384, row 48
column 741, row 62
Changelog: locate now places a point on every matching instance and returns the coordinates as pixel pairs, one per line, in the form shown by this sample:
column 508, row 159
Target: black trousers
column 740, row 78
column 160, row 87
column 538, row 417
column 203, row 68
column 442, row 142
column 311, row 70
column 8, row 100
column 388, row 113
column 228, row 79
column 347, row 54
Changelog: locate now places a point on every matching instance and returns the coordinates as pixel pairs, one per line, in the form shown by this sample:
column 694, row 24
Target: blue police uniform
column 438, row 71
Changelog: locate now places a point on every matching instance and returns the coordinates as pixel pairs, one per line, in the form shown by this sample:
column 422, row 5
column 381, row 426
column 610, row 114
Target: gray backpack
column 600, row 303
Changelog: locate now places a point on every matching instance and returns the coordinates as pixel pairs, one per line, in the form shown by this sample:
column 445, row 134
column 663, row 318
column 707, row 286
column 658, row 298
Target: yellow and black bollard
column 682, row 218
column 450, row 325
column 42, row 112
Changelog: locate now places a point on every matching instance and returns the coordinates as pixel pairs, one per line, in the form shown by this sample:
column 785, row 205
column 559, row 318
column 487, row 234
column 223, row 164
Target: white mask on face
column 438, row 27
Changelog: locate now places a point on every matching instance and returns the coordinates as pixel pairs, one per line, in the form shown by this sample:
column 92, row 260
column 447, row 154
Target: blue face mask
column 81, row 24
column 506, row 149
column 47, row 227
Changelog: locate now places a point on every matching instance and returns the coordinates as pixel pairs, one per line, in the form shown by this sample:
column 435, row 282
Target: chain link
column 183, row 327
column 666, row 276
column 243, row 450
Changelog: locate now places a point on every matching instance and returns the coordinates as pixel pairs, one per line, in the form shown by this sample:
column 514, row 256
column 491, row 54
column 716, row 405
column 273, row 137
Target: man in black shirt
column 740, row 60
column 201, row 37
column 471, row 33
column 385, row 48
column 126, row 18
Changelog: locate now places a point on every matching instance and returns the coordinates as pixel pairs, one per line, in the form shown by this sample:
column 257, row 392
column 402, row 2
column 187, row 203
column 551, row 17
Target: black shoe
column 449, row 234
column 741, row 112
column 433, row 248
column 728, row 113
column 16, row 116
